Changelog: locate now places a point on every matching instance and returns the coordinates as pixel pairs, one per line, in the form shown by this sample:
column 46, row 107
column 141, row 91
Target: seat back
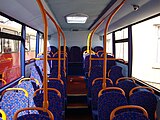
column 28, row 86
column 13, row 101
column 109, row 99
column 126, row 83
column 54, row 99
column 97, row 48
column 96, row 87
column 115, row 73
column 144, row 98
column 75, row 54
column 96, row 72
column 53, row 49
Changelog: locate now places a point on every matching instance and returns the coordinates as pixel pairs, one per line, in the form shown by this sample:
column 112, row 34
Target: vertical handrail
column 45, row 83
column 105, row 40
column 90, row 41
column 59, row 46
column 64, row 38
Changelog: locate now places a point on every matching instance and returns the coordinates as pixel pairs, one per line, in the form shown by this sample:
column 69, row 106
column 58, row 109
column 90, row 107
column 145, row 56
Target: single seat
column 114, row 73
column 145, row 98
column 108, row 99
column 14, row 99
column 126, row 83
column 54, row 99
column 30, row 85
column 96, row 87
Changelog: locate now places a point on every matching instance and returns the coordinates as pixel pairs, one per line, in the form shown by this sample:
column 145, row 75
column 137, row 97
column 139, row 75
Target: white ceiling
column 27, row 11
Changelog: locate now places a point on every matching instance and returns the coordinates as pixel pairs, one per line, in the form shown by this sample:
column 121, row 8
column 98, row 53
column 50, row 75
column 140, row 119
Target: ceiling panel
column 61, row 8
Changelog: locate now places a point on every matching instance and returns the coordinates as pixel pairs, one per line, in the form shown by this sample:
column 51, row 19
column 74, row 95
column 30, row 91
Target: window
column 109, row 43
column 157, row 60
column 9, row 45
column 9, row 50
column 122, row 50
column 121, row 44
column 41, row 42
column 121, row 34
column 30, row 43
column 9, row 26
column 146, row 51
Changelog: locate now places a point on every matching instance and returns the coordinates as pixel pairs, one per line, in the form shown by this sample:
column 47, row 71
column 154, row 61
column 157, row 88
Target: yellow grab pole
column 105, row 40
column 45, row 83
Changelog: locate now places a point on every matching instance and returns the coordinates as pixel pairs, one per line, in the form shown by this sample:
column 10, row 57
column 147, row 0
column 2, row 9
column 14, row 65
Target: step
column 77, row 106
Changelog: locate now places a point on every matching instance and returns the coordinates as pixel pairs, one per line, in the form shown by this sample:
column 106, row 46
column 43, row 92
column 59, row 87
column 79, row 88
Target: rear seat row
column 74, row 51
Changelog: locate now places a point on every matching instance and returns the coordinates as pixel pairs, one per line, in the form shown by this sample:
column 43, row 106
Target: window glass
column 41, row 42
column 9, row 26
column 0, row 45
column 9, row 45
column 30, row 43
column 109, row 43
column 121, row 34
column 122, row 51
column 146, row 65
column 33, row 42
column 10, row 60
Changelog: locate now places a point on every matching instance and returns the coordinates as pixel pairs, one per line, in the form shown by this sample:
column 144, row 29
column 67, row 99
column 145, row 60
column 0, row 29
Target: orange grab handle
column 139, row 87
column 112, row 115
column 53, row 89
column 110, row 89
column 93, row 82
column 125, row 78
column 105, row 39
column 33, row 108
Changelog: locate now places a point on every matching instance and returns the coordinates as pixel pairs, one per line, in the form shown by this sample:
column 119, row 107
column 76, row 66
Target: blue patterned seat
column 115, row 73
column 28, row 85
column 55, row 102
column 13, row 101
column 37, row 75
column 96, row 87
column 59, row 85
column 127, row 84
column 96, row 72
column 86, row 62
column 110, row 63
column 54, row 74
column 108, row 100
column 145, row 99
